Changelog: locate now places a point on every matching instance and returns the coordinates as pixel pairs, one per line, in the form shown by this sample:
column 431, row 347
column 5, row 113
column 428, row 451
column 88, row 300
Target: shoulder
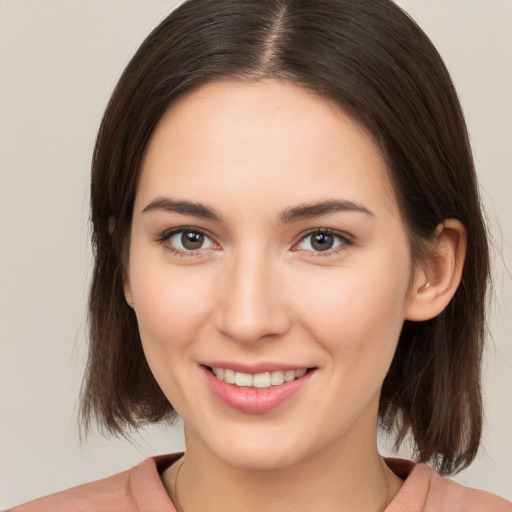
column 424, row 490
column 121, row 492
column 110, row 494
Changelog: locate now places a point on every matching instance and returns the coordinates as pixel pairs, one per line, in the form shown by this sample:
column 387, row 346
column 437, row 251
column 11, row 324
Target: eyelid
column 346, row 241
column 164, row 239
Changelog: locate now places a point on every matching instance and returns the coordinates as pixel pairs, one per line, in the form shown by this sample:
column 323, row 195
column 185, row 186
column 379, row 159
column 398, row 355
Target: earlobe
column 439, row 277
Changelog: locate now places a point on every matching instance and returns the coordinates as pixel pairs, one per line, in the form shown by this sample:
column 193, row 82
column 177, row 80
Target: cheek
column 170, row 309
column 357, row 313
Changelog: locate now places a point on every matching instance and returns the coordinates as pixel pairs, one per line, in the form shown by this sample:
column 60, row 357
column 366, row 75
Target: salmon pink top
column 140, row 489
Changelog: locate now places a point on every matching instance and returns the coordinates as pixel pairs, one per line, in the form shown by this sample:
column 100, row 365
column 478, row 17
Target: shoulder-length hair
column 375, row 62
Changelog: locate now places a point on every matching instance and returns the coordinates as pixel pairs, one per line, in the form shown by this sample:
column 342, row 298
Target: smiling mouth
column 256, row 393
column 259, row 380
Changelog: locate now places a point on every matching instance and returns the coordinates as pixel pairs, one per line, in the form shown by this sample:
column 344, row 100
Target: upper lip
column 255, row 368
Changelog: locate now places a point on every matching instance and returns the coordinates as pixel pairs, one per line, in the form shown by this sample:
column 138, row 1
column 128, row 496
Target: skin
column 257, row 291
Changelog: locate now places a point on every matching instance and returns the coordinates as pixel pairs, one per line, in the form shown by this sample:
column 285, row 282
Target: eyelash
column 166, row 236
column 345, row 239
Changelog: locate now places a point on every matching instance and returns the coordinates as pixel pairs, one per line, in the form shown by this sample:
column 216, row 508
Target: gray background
column 59, row 61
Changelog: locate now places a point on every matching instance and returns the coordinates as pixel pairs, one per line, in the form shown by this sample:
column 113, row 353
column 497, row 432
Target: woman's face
column 267, row 242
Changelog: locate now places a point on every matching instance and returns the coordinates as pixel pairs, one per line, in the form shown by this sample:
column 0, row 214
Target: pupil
column 191, row 240
column 322, row 241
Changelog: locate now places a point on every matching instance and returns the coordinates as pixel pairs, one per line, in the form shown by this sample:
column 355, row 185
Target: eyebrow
column 184, row 207
column 288, row 216
column 309, row 211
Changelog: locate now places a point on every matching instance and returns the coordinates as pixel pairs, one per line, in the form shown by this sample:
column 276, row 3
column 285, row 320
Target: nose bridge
column 252, row 304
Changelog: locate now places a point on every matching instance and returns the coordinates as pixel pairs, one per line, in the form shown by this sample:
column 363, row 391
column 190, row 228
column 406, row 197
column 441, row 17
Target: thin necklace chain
column 177, row 505
column 175, row 486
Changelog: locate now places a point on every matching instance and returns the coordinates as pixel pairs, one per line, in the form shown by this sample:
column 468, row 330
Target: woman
column 289, row 246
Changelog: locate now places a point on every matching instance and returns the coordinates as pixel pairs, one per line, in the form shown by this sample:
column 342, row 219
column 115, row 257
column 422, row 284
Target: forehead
column 269, row 141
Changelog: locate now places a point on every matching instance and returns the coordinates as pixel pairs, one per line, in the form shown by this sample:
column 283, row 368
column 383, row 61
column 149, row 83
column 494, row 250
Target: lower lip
column 254, row 400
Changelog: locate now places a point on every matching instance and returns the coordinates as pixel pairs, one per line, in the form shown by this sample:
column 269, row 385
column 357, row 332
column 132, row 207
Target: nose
column 252, row 301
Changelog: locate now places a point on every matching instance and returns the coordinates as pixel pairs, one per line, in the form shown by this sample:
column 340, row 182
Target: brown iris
column 192, row 240
column 322, row 241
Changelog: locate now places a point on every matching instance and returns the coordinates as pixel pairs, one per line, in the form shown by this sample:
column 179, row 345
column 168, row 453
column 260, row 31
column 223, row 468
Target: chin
column 259, row 459
column 259, row 452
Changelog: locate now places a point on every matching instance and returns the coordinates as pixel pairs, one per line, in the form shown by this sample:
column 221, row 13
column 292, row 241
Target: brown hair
column 377, row 64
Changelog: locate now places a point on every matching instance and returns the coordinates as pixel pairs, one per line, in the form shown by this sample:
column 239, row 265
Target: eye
column 187, row 241
column 323, row 240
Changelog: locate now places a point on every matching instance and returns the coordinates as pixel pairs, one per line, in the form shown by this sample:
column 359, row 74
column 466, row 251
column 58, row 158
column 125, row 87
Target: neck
column 340, row 478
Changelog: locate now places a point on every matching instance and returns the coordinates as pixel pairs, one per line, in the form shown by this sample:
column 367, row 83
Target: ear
column 111, row 225
column 127, row 289
column 436, row 282
column 126, row 277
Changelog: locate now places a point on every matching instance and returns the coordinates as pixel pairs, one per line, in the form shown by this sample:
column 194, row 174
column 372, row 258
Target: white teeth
column 277, row 378
column 289, row 376
column 259, row 380
column 243, row 379
column 229, row 376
